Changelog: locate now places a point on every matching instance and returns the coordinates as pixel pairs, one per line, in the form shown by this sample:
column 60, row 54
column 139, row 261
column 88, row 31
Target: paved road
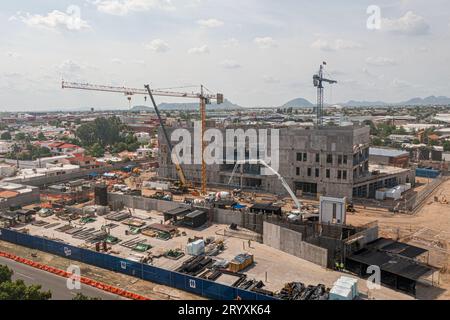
column 54, row 283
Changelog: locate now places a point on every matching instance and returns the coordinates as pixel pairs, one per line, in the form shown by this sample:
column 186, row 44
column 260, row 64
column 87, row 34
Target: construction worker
column 336, row 265
column 342, row 267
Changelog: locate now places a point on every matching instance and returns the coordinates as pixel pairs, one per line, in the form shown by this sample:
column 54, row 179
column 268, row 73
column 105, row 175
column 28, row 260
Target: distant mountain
column 298, row 103
column 432, row 100
column 227, row 105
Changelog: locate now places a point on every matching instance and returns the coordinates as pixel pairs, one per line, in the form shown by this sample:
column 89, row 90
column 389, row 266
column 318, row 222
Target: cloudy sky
column 257, row 52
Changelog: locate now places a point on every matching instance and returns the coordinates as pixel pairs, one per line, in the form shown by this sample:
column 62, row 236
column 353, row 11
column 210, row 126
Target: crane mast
column 127, row 91
column 318, row 80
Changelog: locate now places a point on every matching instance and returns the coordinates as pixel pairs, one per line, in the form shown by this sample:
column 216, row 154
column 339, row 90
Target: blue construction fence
column 427, row 173
column 201, row 287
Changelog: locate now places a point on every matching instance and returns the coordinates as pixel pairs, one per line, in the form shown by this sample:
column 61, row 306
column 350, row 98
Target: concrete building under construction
column 331, row 161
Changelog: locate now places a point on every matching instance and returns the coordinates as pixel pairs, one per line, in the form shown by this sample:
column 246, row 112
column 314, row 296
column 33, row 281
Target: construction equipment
column 318, row 80
column 202, row 96
column 183, row 183
column 283, row 182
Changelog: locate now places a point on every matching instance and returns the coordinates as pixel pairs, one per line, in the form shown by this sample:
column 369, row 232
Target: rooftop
column 393, row 153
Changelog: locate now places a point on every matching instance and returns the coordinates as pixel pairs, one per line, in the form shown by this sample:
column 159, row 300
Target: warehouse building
column 16, row 195
column 389, row 157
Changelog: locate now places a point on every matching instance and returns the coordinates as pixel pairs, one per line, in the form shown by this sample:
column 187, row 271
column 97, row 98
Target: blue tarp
column 239, row 206
column 427, row 173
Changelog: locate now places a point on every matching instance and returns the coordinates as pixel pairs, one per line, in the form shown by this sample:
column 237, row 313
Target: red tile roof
column 8, row 194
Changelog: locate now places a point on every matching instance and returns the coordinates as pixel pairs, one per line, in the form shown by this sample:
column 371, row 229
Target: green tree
column 446, row 146
column 18, row 290
column 74, row 141
column 87, row 134
column 377, row 142
column 103, row 131
column 41, row 137
column 96, row 150
column 119, row 147
column 80, row 296
column 6, row 136
column 20, row 136
column 40, row 152
column 5, row 274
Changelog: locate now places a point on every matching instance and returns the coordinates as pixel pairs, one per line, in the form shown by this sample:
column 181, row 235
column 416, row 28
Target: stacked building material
column 196, row 248
column 195, row 265
column 240, row 262
column 345, row 288
column 298, row 291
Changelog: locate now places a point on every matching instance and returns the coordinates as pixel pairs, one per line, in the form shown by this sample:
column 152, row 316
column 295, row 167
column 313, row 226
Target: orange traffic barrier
column 87, row 281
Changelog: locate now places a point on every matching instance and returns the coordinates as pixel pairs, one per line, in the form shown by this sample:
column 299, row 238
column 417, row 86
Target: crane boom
column 180, row 171
column 203, row 98
column 282, row 180
column 135, row 91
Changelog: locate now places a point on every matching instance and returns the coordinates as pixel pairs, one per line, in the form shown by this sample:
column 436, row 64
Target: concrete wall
column 143, row 203
column 243, row 219
column 289, row 241
column 222, row 216
column 25, row 199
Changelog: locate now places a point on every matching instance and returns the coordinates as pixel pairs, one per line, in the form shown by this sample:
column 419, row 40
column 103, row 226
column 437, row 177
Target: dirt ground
column 429, row 229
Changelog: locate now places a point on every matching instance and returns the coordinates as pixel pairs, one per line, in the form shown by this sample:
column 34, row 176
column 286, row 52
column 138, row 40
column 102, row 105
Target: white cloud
column 210, row 23
column 55, row 20
column 158, row 45
column 341, row 44
column 338, row 44
column 116, row 61
column 230, row 64
column 265, row 43
column 270, row 79
column 322, row 45
column 372, row 75
column 231, row 43
column 199, row 50
column 381, row 61
column 72, row 69
column 139, row 62
column 13, row 55
column 409, row 24
column 124, row 7
column 398, row 83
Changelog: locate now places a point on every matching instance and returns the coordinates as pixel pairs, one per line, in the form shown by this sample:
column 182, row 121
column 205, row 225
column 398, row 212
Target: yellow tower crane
column 204, row 100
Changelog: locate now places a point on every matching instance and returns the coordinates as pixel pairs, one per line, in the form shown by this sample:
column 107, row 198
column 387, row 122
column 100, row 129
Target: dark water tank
column 101, row 195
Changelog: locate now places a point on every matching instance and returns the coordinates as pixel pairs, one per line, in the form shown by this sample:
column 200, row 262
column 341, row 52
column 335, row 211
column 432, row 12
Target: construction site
column 309, row 230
